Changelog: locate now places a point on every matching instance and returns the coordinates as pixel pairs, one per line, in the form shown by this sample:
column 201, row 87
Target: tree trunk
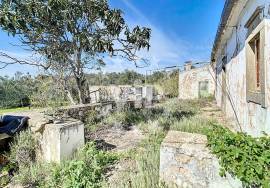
column 81, row 90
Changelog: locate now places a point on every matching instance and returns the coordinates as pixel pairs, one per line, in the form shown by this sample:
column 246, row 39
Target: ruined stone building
column 121, row 93
column 196, row 82
column 241, row 57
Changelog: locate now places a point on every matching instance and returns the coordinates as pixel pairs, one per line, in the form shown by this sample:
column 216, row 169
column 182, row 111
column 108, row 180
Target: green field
column 5, row 111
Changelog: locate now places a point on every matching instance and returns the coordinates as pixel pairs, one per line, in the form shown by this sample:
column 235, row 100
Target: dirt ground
column 119, row 140
column 116, row 138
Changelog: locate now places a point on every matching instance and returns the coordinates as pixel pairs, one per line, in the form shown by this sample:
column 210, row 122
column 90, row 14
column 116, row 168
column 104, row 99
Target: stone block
column 185, row 161
column 59, row 141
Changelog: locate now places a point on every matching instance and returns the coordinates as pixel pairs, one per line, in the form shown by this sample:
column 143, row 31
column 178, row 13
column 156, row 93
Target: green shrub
column 92, row 120
column 23, row 149
column 242, row 156
column 87, row 169
column 179, row 108
column 124, row 118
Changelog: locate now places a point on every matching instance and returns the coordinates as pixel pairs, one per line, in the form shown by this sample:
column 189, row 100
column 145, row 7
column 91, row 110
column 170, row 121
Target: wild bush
column 87, row 169
column 92, row 120
column 32, row 175
column 179, row 108
column 23, row 149
column 242, row 156
column 124, row 119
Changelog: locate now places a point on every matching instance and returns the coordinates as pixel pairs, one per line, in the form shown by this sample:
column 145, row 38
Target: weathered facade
column 196, row 82
column 242, row 63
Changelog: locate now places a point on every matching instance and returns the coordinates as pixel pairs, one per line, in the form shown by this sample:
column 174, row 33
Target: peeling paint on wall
column 252, row 117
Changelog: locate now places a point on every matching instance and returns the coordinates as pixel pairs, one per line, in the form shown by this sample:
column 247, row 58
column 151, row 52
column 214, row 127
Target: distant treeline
column 47, row 90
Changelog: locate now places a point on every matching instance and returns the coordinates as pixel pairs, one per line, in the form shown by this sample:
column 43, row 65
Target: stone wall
column 80, row 111
column 185, row 161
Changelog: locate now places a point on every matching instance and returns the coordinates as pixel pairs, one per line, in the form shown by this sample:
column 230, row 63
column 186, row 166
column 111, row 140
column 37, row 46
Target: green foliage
column 122, row 78
column 155, row 122
column 168, row 113
column 48, row 93
column 242, row 156
column 23, row 149
column 180, row 108
column 92, row 119
column 4, row 180
column 124, row 118
column 12, row 110
column 85, row 170
column 73, row 36
column 166, row 82
column 16, row 91
column 24, row 90
column 170, row 84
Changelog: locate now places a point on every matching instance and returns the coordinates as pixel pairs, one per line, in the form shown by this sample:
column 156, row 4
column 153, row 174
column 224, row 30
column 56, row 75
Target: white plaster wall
column 71, row 138
column 50, row 146
column 253, row 118
column 189, row 82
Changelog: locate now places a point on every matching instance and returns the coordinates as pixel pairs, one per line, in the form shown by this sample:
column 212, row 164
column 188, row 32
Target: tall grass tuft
column 194, row 124
column 146, row 171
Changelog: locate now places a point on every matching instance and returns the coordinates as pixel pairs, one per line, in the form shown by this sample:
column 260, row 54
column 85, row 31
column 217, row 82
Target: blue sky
column 181, row 30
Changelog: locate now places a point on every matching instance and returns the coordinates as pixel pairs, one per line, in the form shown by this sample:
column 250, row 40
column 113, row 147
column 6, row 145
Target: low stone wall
column 185, row 161
column 80, row 111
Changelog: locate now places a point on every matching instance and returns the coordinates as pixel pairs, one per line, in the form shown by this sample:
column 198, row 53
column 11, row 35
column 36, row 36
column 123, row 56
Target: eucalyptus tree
column 74, row 34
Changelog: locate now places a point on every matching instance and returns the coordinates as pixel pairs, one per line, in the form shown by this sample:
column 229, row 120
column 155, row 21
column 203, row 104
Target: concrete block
column 185, row 161
column 60, row 141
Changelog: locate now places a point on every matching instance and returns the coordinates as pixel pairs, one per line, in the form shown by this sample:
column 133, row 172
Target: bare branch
column 13, row 60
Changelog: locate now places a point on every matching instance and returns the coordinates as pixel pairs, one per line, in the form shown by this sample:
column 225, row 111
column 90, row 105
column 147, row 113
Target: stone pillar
column 147, row 94
column 185, row 161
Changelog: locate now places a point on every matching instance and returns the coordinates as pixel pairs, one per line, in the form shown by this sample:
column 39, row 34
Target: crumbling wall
column 251, row 117
column 121, row 93
column 189, row 82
